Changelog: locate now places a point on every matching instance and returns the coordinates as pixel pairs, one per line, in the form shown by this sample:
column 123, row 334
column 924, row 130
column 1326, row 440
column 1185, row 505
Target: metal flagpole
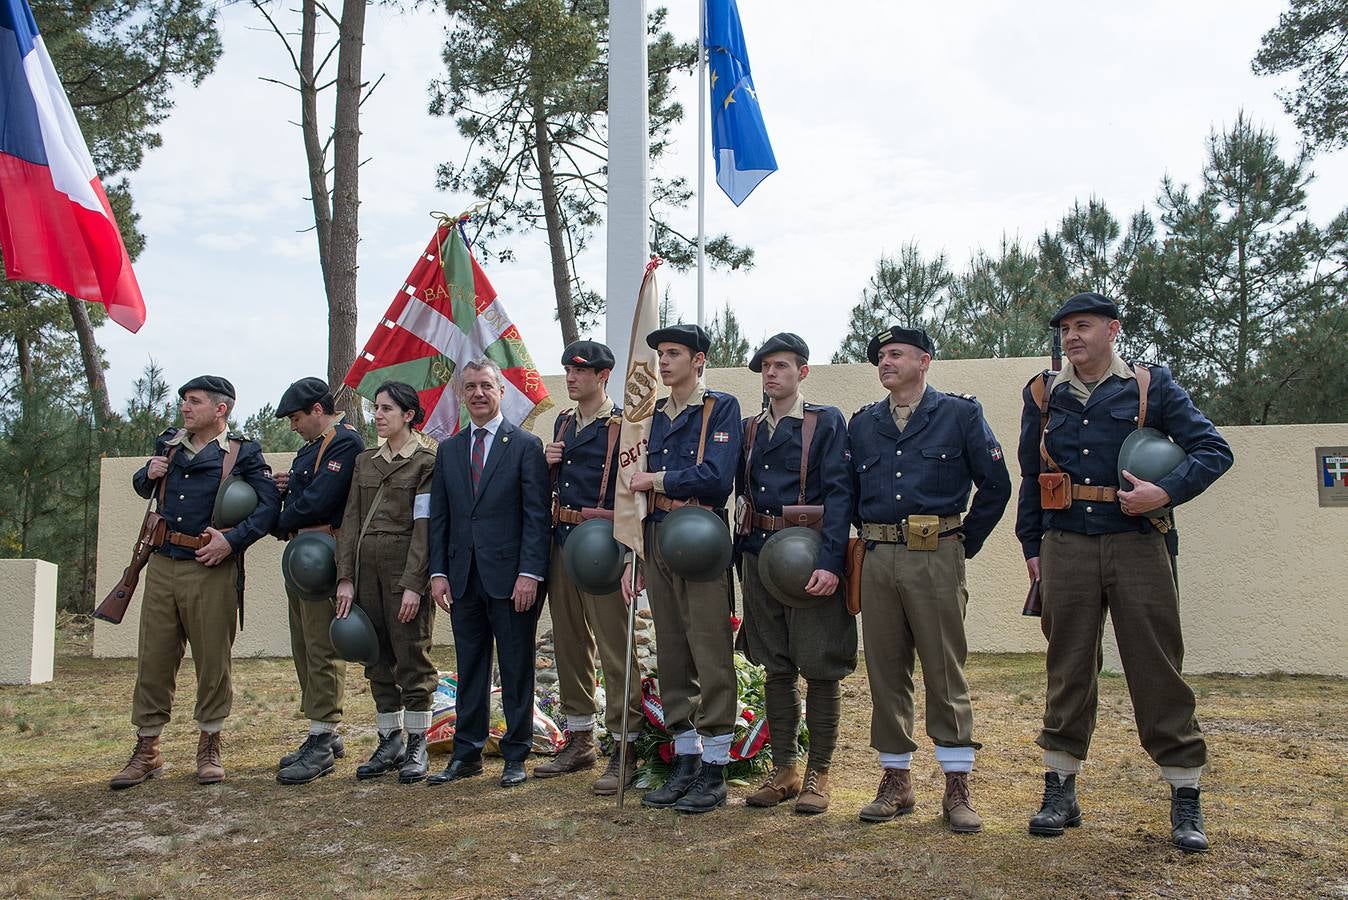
column 627, row 688
column 701, row 157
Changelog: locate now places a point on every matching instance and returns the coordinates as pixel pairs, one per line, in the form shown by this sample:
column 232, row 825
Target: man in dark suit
column 489, row 545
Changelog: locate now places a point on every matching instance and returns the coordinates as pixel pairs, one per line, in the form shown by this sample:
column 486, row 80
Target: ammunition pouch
column 1055, row 490
column 922, row 532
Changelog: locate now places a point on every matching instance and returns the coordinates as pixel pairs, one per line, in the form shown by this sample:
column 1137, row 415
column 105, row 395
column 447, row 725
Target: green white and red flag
column 444, row 315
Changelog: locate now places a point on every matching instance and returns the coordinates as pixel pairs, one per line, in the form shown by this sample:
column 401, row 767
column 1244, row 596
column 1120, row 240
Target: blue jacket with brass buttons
column 928, row 468
column 1084, row 440
column 316, row 495
column 673, row 450
column 189, row 496
column 582, row 466
column 771, row 479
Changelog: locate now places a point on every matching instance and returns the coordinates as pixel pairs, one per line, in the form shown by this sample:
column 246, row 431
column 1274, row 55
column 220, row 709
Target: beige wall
column 1262, row 568
column 28, row 609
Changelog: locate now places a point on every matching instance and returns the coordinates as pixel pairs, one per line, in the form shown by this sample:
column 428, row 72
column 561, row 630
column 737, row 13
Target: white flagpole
column 701, row 157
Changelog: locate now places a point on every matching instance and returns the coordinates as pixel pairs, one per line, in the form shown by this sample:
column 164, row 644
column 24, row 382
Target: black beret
column 211, row 384
column 590, row 354
column 897, row 334
column 691, row 336
column 786, row 342
column 1087, row 302
column 301, row 396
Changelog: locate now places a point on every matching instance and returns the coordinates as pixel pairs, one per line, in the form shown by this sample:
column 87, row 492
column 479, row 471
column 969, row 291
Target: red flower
column 735, row 622
column 748, row 715
column 667, row 751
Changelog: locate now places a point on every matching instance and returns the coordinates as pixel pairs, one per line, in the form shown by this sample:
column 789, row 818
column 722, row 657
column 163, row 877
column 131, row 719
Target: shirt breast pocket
column 871, row 476
column 947, row 463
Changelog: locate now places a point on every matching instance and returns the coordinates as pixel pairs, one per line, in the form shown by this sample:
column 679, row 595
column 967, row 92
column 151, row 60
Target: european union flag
column 738, row 137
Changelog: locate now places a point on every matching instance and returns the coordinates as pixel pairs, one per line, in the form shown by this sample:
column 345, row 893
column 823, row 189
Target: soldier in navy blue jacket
column 693, row 449
column 789, row 636
column 313, row 497
column 1099, row 545
column 915, row 456
column 583, row 457
column 193, row 582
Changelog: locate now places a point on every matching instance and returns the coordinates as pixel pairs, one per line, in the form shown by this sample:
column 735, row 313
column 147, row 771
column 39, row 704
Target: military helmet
column 309, row 565
column 695, row 543
column 593, row 559
column 787, row 562
column 1150, row 456
column 354, row 637
column 234, row 502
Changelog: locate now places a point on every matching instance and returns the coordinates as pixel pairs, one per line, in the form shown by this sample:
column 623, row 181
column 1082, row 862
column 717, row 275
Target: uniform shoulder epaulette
column 970, row 397
column 349, row 427
column 169, row 432
column 616, row 415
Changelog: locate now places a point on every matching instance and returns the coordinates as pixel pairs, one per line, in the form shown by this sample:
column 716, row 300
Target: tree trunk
column 552, row 214
column 93, row 365
column 23, row 349
column 345, row 236
column 313, row 146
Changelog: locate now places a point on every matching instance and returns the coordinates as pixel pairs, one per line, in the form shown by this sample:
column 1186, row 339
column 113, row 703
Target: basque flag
column 739, row 138
column 56, row 226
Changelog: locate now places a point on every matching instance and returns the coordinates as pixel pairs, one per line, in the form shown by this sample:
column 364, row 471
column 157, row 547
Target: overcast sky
column 948, row 123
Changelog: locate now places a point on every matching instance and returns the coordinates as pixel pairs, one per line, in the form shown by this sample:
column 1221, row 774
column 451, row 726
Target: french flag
column 56, row 226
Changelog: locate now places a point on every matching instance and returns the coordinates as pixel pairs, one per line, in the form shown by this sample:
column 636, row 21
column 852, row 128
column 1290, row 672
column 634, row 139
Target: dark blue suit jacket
column 505, row 529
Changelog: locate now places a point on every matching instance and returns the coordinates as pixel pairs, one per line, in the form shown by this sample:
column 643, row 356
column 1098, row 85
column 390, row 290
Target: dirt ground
column 1276, row 804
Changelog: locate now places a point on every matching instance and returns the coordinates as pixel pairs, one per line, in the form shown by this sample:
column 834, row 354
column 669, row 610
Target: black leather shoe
column 1059, row 809
column 389, row 755
column 1186, row 820
column 681, row 777
column 338, row 750
column 415, row 761
column 456, row 769
column 314, row 761
column 707, row 791
column 513, row 775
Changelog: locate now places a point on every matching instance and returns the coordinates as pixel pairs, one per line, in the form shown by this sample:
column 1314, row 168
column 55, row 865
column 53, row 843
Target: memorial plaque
column 1331, row 472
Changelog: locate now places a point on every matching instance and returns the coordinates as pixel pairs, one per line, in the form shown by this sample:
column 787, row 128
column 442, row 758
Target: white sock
column 149, row 731
column 417, row 720
column 896, row 760
column 1062, row 762
column 316, row 727
column 580, row 723
column 716, row 749
column 688, row 743
column 955, row 759
column 1181, row 777
column 391, row 721
column 212, row 727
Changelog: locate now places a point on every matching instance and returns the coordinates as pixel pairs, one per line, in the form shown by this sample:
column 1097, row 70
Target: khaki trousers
column 185, row 603
column 912, row 603
column 321, row 673
column 1128, row 574
column 582, row 624
column 404, row 677
column 692, row 647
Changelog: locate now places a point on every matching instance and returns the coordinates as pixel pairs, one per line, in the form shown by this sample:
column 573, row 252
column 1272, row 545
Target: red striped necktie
column 479, row 454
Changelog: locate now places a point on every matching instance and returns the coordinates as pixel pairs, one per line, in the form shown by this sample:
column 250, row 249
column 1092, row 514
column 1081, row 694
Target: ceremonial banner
column 643, row 377
column 56, row 226
column 446, row 314
column 739, row 138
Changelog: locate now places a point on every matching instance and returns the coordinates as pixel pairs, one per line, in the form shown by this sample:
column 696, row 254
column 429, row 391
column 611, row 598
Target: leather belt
column 669, row 504
column 1095, row 494
column 768, row 523
column 191, row 541
column 889, row 533
column 569, row 516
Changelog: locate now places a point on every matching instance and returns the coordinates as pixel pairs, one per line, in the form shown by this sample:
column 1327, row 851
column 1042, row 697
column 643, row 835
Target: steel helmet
column 592, row 558
column 695, row 543
column 354, row 637
column 787, row 562
column 234, row 502
column 309, row 565
column 1150, row 456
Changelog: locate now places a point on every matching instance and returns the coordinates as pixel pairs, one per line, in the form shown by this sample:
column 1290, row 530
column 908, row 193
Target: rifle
column 1034, row 605
column 153, row 531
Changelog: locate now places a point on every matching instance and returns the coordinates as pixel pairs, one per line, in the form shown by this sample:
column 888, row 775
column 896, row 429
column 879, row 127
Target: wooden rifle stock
column 153, row 530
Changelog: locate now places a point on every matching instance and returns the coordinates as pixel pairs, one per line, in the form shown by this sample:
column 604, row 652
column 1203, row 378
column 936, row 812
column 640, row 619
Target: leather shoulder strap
column 231, row 457
column 1041, row 389
column 564, row 422
column 163, row 482
column 614, row 427
column 807, row 427
column 1143, row 376
column 323, row 448
column 707, row 404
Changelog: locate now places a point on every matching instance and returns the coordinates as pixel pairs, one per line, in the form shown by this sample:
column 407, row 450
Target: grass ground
column 1276, row 804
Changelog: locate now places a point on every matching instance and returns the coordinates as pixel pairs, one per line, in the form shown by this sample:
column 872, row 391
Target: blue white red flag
column 1335, row 470
column 56, row 226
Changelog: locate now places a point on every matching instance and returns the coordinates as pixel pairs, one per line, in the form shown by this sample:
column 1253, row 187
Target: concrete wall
column 1262, row 568
column 28, row 609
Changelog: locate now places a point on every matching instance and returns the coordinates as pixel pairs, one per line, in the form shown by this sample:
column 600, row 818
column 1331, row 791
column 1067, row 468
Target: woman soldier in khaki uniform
column 381, row 566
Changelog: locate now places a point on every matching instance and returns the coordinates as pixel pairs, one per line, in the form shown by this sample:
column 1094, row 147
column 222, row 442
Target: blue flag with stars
column 739, row 138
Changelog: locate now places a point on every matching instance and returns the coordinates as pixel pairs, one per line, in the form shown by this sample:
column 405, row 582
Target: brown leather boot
column 579, row 753
column 813, row 797
column 607, row 784
column 209, row 769
column 956, row 809
column 894, row 797
column 783, row 784
column 146, row 762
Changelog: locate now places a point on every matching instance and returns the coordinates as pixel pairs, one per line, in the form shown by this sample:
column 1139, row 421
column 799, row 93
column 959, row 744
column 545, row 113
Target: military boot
column 338, row 750
column 414, row 760
column 707, row 792
column 315, row 760
column 783, row 784
column 1186, row 820
column 606, row 785
column 1059, row 809
column 893, row 798
column 146, row 762
column 681, row 777
column 209, row 768
column 579, row 753
column 389, row 755
column 956, row 809
column 813, row 797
